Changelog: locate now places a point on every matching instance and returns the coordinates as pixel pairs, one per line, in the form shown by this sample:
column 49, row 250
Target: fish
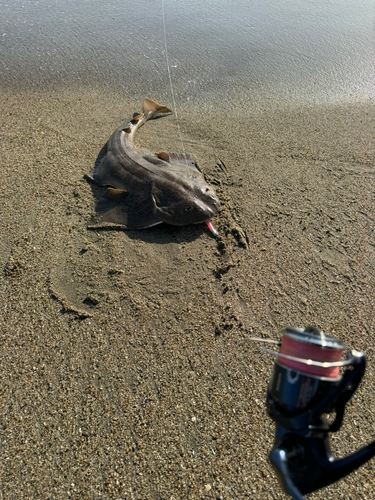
column 142, row 189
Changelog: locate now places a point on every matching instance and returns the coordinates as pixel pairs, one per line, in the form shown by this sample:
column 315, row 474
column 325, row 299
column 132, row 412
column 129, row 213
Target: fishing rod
column 310, row 378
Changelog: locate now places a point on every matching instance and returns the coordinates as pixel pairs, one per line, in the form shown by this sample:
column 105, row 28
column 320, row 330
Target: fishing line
column 169, row 75
column 208, row 223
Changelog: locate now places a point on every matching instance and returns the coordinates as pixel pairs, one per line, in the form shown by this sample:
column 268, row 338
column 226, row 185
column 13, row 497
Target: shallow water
column 238, row 53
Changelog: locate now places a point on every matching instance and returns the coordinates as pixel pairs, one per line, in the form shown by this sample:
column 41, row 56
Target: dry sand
column 126, row 366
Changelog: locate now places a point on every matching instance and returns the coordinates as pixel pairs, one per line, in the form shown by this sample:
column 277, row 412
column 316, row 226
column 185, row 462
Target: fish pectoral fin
column 163, row 156
column 115, row 193
column 183, row 159
column 154, row 109
column 134, row 211
column 154, row 160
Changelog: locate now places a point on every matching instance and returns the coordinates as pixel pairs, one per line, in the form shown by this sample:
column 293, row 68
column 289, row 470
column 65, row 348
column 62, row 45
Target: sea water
column 233, row 52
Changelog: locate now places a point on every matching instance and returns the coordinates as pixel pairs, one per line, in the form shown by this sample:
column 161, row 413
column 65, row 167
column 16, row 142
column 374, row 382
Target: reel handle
column 315, row 460
column 279, row 460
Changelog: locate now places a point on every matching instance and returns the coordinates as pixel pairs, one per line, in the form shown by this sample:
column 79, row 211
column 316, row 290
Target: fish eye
column 187, row 209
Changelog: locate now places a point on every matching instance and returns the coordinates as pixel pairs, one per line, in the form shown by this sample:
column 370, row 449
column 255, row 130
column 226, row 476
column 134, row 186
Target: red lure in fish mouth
column 211, row 228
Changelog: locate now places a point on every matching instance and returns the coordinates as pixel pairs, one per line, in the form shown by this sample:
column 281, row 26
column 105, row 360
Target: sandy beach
column 126, row 366
column 127, row 370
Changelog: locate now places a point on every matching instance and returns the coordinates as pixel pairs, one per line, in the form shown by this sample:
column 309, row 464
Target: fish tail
column 154, row 110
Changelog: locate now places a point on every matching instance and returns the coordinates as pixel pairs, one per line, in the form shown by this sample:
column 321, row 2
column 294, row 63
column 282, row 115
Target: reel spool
column 311, row 352
column 307, row 365
column 311, row 377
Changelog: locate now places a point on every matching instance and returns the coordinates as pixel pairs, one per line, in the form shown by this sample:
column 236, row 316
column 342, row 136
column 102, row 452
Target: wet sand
column 126, row 366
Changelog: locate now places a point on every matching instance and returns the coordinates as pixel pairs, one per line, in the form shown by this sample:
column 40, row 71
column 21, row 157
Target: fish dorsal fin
column 136, row 119
column 149, row 106
column 115, row 193
column 163, row 155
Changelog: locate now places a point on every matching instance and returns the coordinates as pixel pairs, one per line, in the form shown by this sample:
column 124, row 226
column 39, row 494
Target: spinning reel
column 310, row 379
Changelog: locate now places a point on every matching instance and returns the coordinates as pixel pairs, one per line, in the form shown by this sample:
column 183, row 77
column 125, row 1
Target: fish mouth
column 208, row 205
column 215, row 206
column 211, row 201
column 210, row 209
